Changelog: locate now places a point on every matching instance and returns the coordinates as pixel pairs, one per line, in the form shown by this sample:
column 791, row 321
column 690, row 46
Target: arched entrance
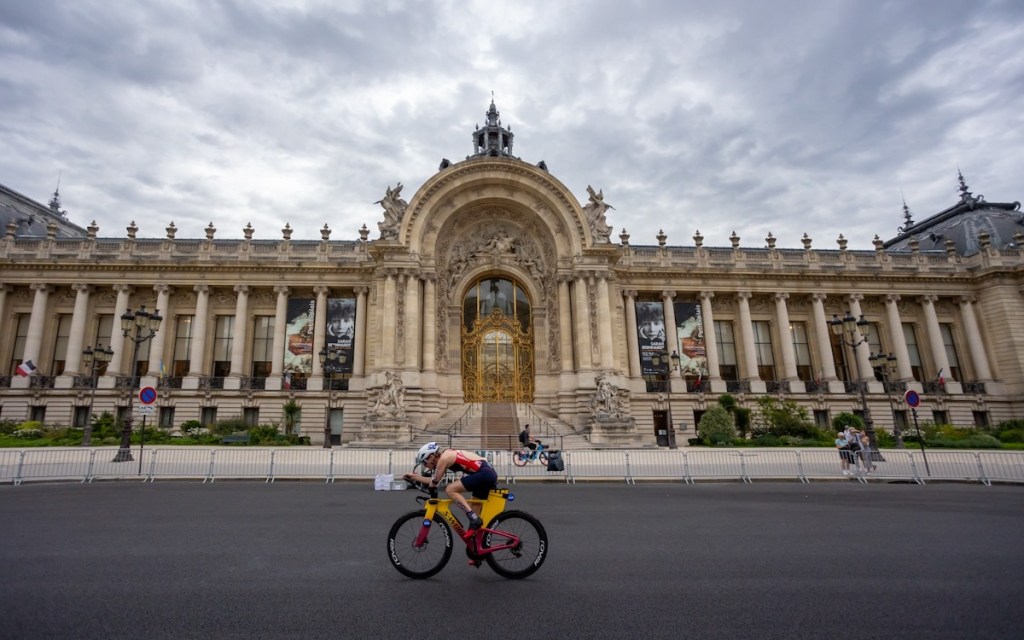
column 497, row 343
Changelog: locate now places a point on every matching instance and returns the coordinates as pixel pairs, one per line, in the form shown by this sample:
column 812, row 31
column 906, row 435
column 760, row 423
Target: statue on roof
column 394, row 209
column 594, row 210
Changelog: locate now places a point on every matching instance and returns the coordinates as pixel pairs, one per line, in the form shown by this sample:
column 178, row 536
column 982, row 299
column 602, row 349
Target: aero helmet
column 426, row 450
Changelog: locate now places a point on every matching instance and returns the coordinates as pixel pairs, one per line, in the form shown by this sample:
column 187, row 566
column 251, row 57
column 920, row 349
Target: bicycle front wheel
column 527, row 555
column 543, row 457
column 430, row 557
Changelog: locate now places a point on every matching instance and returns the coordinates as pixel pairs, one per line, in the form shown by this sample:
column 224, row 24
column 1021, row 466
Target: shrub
column 847, row 419
column 263, row 434
column 783, row 418
column 228, row 426
column 716, row 426
column 7, row 427
column 1011, row 435
column 727, row 402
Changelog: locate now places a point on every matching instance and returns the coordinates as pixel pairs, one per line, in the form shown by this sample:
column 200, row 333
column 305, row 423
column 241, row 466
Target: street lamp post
column 133, row 324
column 332, row 360
column 857, row 330
column 93, row 360
column 886, row 365
column 671, row 365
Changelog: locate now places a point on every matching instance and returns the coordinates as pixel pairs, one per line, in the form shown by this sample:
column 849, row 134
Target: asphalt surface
column 831, row 560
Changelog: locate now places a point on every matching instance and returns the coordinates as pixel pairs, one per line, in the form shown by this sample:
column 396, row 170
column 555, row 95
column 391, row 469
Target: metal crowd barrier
column 630, row 466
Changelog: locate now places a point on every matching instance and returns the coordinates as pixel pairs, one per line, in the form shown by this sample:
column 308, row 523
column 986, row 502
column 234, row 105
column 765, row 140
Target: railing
column 974, row 387
column 630, row 466
column 894, row 386
column 816, row 386
column 127, row 382
column 207, row 383
column 693, row 386
column 934, row 387
column 5, row 382
column 253, row 383
column 84, row 382
column 737, row 386
column 777, row 386
column 169, row 382
column 851, row 386
column 41, row 382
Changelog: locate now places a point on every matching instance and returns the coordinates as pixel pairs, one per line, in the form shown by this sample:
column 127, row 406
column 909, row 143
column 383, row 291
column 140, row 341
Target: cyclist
column 528, row 441
column 478, row 476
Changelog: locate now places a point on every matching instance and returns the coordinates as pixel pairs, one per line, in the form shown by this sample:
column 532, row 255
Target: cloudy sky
column 813, row 116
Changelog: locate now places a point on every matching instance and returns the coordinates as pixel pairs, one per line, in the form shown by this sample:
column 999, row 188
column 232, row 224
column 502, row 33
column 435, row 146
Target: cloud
column 788, row 117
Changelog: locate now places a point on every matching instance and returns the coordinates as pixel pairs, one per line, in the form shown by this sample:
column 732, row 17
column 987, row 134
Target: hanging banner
column 689, row 343
column 650, row 330
column 341, row 326
column 298, row 344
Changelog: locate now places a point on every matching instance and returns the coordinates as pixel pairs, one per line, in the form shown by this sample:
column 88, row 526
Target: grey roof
column 32, row 217
column 962, row 224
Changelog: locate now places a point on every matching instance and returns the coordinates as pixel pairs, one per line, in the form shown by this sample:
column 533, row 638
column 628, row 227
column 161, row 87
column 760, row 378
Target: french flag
column 26, row 368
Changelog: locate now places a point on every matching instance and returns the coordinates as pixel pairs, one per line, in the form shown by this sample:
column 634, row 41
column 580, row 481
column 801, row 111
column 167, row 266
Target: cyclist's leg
column 455, row 491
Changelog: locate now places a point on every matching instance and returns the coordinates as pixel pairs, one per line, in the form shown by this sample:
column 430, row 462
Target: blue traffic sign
column 147, row 395
column 912, row 398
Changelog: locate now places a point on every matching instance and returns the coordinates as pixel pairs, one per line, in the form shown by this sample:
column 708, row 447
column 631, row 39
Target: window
column 104, row 331
column 208, row 416
column 262, row 346
column 803, row 352
column 60, row 345
column 912, row 351
column 166, row 417
column 20, row 334
column 981, row 419
column 182, row 347
column 763, row 349
column 251, row 416
column 939, row 417
column 81, row 417
column 37, row 413
column 947, row 340
column 821, row 419
column 843, row 363
column 726, row 345
column 222, row 341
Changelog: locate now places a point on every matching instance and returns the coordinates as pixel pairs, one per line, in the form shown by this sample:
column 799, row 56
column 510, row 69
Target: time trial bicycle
column 513, row 543
column 523, row 456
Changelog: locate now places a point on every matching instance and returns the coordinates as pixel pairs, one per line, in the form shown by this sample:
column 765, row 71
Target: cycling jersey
column 464, row 464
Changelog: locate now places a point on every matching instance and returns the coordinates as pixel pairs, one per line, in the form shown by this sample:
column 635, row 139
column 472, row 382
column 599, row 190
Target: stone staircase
column 496, row 426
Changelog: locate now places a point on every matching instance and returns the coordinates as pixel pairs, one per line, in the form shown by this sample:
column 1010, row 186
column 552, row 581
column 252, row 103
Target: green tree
column 291, row 416
column 716, row 426
column 847, row 419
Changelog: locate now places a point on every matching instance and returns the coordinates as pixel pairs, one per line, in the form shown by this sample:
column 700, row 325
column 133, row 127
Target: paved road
column 239, row 560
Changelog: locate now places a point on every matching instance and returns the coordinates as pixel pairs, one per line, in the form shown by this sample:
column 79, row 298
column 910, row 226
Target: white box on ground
column 383, row 481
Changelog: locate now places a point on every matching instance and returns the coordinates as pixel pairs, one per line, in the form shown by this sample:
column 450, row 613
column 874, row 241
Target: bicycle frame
column 492, row 506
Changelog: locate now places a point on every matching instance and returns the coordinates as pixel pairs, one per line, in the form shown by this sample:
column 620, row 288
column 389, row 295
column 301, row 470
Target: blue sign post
column 913, row 400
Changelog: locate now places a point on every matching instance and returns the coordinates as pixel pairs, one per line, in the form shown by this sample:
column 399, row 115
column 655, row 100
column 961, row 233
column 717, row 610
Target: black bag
column 555, row 461
column 522, row 437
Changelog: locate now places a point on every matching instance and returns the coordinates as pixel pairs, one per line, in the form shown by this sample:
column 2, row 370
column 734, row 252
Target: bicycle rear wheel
column 426, row 560
column 519, row 459
column 527, row 556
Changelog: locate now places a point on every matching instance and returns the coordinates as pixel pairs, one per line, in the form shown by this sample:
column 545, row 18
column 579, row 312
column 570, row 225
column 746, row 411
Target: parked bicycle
column 513, row 543
column 523, row 456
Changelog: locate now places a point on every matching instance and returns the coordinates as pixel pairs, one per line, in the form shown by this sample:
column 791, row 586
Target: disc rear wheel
column 427, row 559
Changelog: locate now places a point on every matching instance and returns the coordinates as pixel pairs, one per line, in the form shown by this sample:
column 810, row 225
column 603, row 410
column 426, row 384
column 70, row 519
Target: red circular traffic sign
column 147, row 395
column 912, row 398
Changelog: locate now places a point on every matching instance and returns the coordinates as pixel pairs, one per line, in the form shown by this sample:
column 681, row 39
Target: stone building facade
column 494, row 283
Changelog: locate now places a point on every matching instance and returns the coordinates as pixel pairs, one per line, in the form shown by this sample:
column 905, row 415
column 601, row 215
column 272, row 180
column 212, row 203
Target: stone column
column 931, row 323
column 584, row 352
column 429, row 321
column 604, row 323
column 897, row 338
column 156, row 348
column 710, row 340
column 982, row 372
column 116, row 366
column 863, row 350
column 73, row 360
column 319, row 328
column 238, row 338
column 632, row 344
column 387, row 311
column 276, row 381
column 412, row 322
column 359, row 350
column 785, row 337
column 821, row 334
column 197, row 353
column 36, row 324
column 565, row 323
column 747, row 336
column 671, row 332
column 4, row 290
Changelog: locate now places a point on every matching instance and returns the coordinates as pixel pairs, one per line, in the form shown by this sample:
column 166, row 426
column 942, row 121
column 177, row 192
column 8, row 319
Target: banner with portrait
column 298, row 342
column 689, row 343
column 340, row 333
column 650, row 333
